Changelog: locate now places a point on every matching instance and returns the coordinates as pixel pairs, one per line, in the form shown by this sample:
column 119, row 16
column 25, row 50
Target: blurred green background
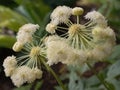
column 15, row 13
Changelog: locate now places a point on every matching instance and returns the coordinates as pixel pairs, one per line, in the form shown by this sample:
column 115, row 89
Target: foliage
column 26, row 11
column 4, row 39
column 11, row 19
column 116, row 53
column 33, row 10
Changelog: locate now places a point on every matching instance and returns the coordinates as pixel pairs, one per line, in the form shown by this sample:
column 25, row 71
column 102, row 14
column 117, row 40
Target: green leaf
column 38, row 85
column 116, row 83
column 36, row 10
column 101, row 87
column 27, row 87
column 11, row 19
column 92, row 81
column 116, row 53
column 75, row 83
column 111, row 86
column 114, row 70
column 7, row 41
column 81, row 68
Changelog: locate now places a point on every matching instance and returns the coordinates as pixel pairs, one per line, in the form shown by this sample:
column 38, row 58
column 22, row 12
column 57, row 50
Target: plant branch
column 54, row 74
column 99, row 77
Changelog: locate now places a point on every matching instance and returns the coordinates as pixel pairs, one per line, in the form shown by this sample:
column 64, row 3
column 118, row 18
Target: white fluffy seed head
column 9, row 71
column 97, row 18
column 110, row 33
column 10, row 62
column 103, row 48
column 94, row 15
column 98, row 33
column 21, row 75
column 75, row 57
column 61, row 14
column 29, row 28
column 38, row 73
column 103, row 33
column 30, row 76
column 96, row 55
column 24, row 38
column 77, row 11
column 60, row 51
column 17, row 79
column 25, row 33
column 87, row 40
column 25, row 74
column 56, row 52
column 17, row 46
column 52, row 38
column 51, row 28
column 100, row 52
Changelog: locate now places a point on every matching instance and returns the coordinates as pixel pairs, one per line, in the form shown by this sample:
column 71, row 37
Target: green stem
column 54, row 74
column 62, row 27
column 77, row 19
column 99, row 77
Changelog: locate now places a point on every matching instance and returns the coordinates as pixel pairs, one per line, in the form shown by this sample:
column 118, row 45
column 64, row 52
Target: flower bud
column 77, row 11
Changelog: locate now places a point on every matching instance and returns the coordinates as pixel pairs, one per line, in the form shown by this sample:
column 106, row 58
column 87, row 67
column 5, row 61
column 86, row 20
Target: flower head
column 103, row 33
column 25, row 74
column 57, row 54
column 97, row 17
column 9, row 64
column 32, row 54
column 59, row 51
column 80, row 42
column 10, row 61
column 24, row 35
column 61, row 14
column 51, row 28
column 77, row 11
column 29, row 28
column 26, row 67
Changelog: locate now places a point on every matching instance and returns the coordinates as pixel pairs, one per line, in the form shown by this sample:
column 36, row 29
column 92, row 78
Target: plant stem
column 54, row 74
column 78, row 19
column 99, row 77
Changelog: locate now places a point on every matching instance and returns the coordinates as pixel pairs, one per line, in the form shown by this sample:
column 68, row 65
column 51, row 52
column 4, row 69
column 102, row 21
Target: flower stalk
column 99, row 77
column 54, row 74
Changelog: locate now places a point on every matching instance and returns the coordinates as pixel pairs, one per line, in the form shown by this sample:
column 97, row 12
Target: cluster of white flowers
column 24, row 35
column 75, row 44
column 59, row 51
column 79, row 43
column 10, row 65
column 97, row 17
column 61, row 14
column 51, row 28
column 25, row 74
column 20, row 74
column 25, row 68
